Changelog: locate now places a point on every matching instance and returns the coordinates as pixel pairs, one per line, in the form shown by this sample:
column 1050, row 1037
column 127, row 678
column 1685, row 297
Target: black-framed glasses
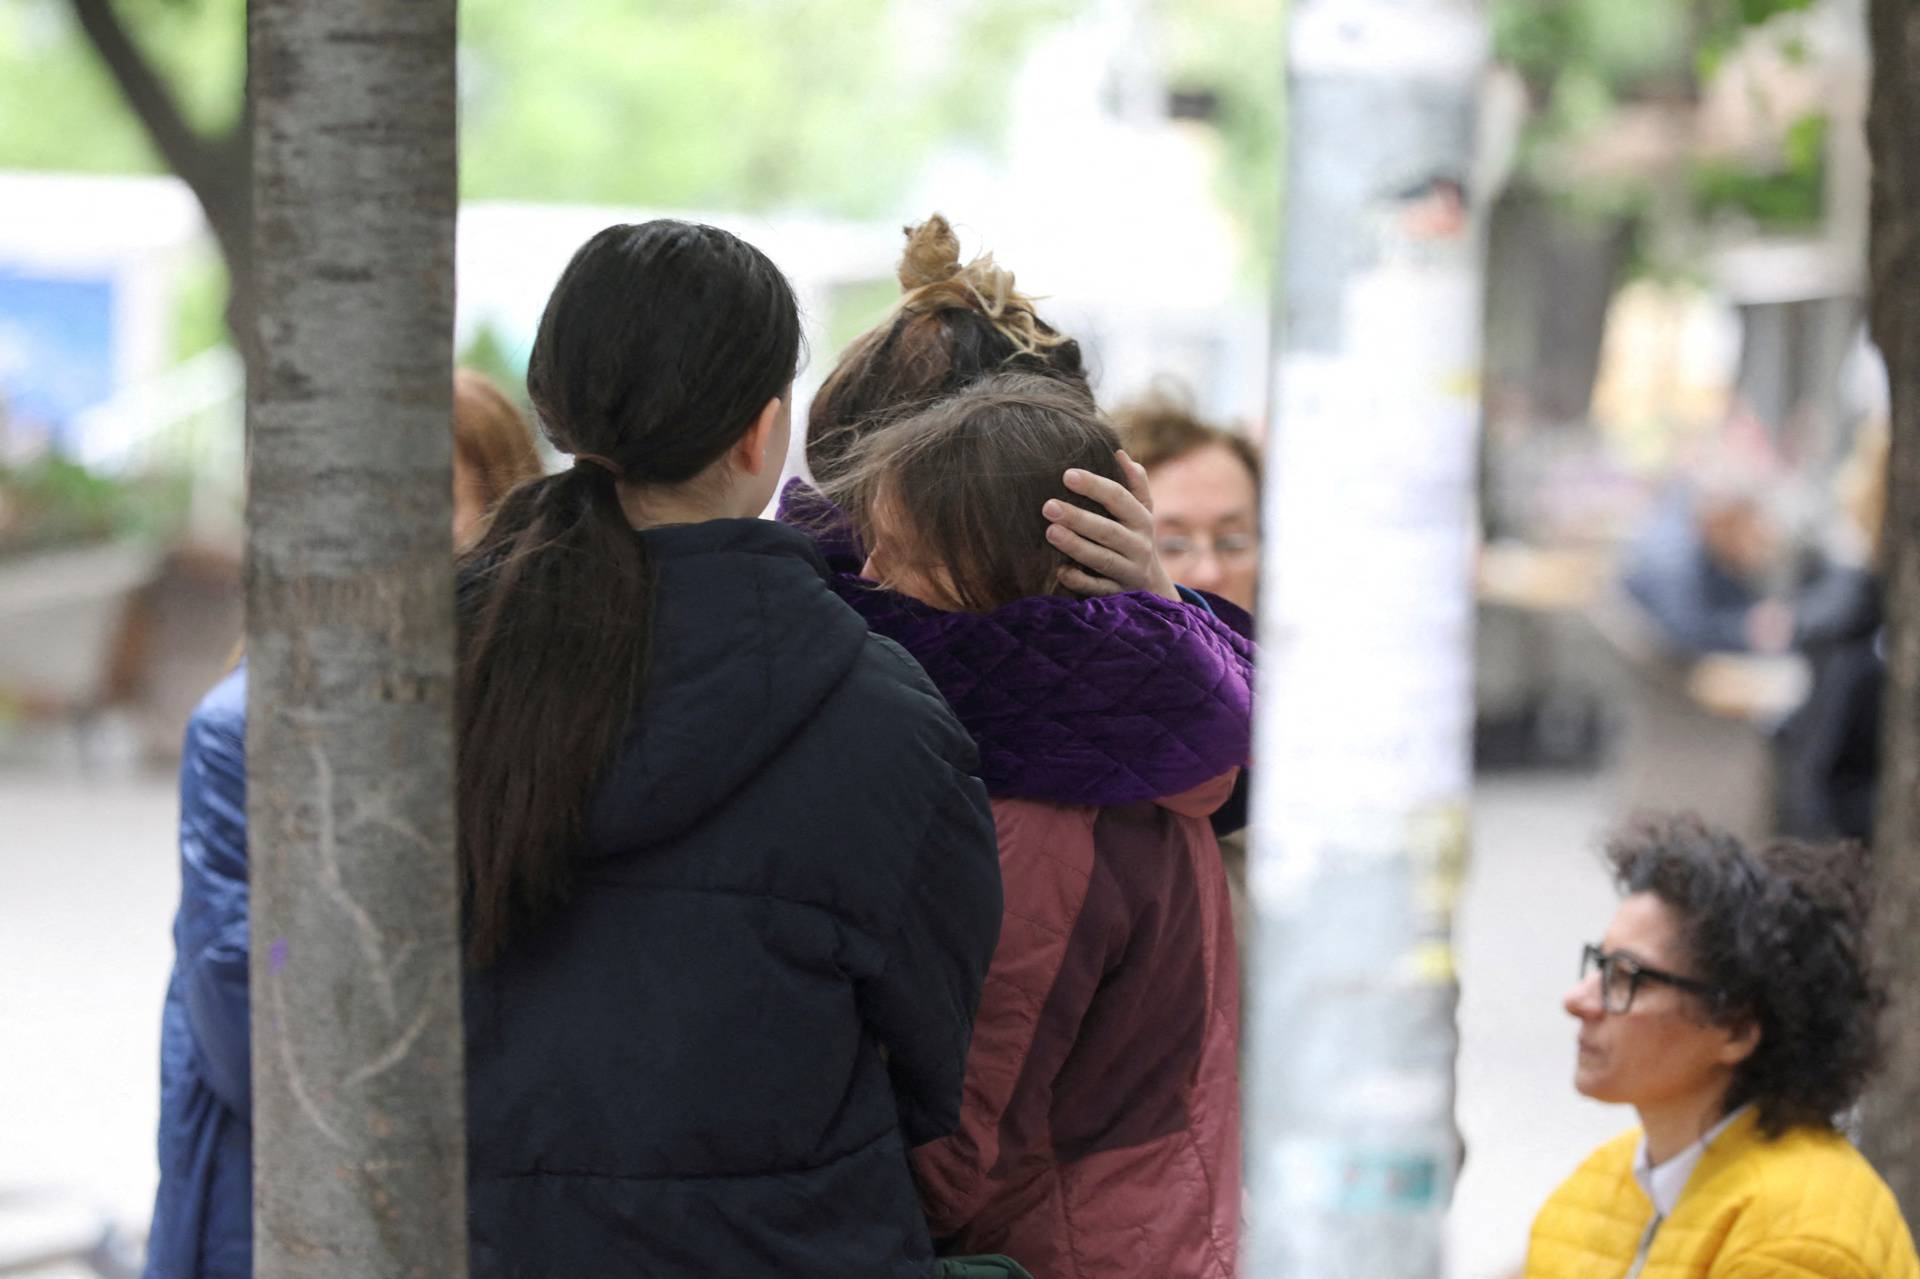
column 1621, row 975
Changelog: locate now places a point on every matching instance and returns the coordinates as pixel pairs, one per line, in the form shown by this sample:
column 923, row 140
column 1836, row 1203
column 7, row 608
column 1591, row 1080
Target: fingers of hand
column 1092, row 555
column 1136, row 478
column 1121, row 504
column 1096, row 527
column 1081, row 582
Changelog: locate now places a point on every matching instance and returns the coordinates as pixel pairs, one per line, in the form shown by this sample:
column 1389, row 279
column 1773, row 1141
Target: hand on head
column 1115, row 551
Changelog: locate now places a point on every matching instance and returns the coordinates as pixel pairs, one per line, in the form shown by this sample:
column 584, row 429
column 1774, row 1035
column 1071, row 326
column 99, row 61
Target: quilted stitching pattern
column 1806, row 1206
column 1101, row 701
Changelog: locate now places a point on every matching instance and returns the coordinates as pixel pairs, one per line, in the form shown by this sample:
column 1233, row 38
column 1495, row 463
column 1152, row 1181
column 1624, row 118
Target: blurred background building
column 1679, row 405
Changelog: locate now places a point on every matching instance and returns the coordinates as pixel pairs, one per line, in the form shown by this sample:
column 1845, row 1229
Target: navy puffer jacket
column 712, row 1061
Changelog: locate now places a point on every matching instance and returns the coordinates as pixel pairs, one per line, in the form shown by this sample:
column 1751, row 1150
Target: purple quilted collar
column 808, row 509
column 1099, row 701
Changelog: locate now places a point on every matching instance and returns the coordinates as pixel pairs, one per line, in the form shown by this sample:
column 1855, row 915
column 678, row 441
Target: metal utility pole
column 1363, row 741
column 358, row 1115
column 1890, row 1134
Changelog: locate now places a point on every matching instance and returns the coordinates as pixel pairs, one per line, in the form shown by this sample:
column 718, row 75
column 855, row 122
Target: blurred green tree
column 825, row 105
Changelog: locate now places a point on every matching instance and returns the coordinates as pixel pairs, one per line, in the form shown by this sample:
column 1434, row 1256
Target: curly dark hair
column 1780, row 936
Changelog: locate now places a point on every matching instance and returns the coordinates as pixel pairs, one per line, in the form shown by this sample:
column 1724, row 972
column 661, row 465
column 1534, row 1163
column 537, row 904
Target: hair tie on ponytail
column 606, row 464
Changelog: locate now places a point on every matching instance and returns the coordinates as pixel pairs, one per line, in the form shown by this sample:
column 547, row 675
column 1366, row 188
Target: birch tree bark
column 359, row 1130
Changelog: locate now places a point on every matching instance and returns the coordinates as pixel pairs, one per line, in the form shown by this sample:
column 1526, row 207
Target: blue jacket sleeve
column 1686, row 610
column 210, row 932
column 922, row 1002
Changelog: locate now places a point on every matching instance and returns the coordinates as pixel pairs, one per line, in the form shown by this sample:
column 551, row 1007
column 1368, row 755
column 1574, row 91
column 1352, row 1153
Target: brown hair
column 954, row 325
column 1162, row 426
column 963, row 482
column 490, row 438
column 658, row 349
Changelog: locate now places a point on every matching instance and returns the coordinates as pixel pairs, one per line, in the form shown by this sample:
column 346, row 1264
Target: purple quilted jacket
column 1098, row 701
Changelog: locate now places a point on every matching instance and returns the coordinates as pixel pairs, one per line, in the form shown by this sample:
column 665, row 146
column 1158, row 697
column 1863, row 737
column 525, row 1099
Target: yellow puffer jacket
column 1804, row 1206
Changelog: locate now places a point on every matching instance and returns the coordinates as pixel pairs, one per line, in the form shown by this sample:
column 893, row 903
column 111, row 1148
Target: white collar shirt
column 1666, row 1183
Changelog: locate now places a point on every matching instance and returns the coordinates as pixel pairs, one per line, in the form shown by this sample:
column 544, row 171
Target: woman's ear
column 751, row 453
column 1743, row 1037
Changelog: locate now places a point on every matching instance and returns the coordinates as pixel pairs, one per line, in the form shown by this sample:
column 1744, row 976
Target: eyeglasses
column 1227, row 547
column 1621, row 975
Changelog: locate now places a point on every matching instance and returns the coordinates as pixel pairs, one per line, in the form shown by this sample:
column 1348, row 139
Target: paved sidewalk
column 1535, row 892
column 87, row 889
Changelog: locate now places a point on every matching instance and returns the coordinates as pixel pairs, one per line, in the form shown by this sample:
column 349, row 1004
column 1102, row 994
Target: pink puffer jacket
column 1100, row 1125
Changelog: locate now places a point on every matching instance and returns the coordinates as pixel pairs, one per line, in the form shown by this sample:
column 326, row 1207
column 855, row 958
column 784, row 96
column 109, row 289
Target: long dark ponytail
column 661, row 344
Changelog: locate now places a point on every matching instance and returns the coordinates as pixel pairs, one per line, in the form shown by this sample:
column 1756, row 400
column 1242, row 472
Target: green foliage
column 736, row 104
column 1626, row 46
column 1726, row 22
column 1755, row 12
column 200, row 307
column 1790, row 198
column 487, row 352
column 1582, row 59
column 52, row 502
column 61, row 108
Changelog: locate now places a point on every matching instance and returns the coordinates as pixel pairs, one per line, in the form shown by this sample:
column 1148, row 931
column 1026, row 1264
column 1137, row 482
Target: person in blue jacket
column 202, row 1222
column 203, row 1216
column 1699, row 566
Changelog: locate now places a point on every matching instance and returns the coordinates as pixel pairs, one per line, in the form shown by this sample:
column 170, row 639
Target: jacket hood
column 748, row 641
column 806, row 508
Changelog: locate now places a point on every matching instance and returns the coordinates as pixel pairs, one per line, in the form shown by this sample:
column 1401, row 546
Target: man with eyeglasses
column 1732, row 1005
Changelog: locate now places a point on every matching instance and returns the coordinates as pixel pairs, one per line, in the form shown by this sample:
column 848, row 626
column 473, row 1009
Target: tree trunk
column 1366, row 701
column 1892, row 1136
column 359, row 1127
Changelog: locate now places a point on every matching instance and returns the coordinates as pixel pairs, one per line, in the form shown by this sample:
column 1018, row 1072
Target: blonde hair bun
column 933, row 280
column 932, row 254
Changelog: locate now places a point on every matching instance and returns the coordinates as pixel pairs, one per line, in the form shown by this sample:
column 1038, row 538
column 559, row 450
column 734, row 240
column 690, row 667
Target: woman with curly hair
column 1732, row 1004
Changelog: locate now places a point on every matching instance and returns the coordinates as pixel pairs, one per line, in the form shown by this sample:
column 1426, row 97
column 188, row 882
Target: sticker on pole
column 1365, row 1179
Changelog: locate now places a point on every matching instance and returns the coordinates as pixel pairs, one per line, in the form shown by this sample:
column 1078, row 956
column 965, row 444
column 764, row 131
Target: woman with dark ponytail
column 731, row 886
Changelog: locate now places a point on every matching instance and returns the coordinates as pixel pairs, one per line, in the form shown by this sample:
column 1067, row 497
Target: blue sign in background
column 56, row 347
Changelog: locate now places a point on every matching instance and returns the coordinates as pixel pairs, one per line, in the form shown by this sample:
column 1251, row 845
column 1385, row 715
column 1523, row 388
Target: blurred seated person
column 1700, row 565
column 1733, row 1005
column 1829, row 750
column 1206, row 494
